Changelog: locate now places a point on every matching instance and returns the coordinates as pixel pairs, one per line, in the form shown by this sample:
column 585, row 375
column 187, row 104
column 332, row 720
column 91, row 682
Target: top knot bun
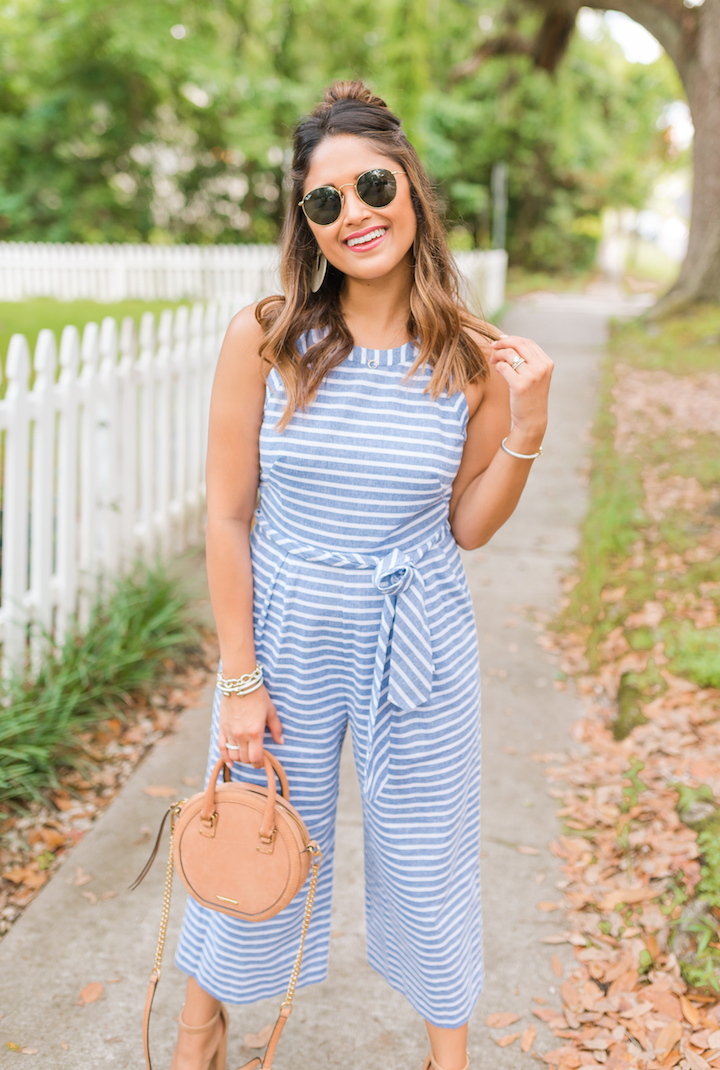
column 345, row 91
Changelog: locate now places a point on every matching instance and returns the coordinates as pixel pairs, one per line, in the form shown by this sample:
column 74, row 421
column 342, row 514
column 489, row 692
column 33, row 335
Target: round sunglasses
column 376, row 189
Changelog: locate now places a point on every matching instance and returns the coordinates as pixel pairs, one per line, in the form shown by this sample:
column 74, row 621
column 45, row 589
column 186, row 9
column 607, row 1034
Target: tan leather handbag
column 244, row 850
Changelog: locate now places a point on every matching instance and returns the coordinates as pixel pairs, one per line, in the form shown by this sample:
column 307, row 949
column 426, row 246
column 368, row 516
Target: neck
column 376, row 310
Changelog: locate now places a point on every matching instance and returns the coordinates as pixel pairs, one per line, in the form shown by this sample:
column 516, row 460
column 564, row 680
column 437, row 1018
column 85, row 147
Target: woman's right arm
column 233, row 474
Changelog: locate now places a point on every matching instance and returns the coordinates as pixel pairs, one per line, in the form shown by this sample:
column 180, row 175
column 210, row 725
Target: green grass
column 30, row 317
column 620, row 548
column 519, row 281
column 682, row 345
column 140, row 623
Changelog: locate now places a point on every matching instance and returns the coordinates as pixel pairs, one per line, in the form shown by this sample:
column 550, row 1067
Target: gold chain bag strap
column 243, row 850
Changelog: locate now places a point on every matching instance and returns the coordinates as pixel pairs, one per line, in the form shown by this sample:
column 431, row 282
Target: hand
column 529, row 384
column 242, row 722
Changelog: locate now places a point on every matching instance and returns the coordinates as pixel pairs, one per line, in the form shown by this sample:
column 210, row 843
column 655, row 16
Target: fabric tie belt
column 403, row 640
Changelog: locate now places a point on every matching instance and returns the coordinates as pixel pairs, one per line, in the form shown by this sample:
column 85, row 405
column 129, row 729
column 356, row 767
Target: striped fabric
column 363, row 619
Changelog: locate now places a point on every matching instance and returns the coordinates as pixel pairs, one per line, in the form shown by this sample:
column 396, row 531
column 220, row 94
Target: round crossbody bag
column 244, row 850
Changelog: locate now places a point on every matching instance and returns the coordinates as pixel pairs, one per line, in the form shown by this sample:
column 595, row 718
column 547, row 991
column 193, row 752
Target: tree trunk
column 699, row 278
column 691, row 37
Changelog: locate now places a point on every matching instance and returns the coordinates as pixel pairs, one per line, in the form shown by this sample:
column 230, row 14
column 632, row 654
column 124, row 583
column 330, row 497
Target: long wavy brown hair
column 438, row 321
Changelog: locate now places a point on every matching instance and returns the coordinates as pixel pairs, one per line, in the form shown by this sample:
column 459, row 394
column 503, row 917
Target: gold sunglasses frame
column 339, row 189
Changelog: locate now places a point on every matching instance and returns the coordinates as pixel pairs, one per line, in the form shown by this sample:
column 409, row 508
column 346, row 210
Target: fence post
column 163, row 416
column 107, row 438
column 146, row 531
column 88, row 563
column 16, row 503
column 179, row 424
column 127, row 412
column 42, row 504
column 67, row 507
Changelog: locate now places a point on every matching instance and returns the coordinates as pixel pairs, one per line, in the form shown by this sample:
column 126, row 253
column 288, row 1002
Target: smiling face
column 364, row 243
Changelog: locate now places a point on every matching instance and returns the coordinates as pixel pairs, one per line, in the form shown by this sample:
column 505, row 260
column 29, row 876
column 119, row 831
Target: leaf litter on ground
column 34, row 841
column 631, row 865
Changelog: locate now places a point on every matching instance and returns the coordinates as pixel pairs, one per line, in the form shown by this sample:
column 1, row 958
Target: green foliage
column 615, row 521
column 170, row 121
column 695, row 655
column 630, row 703
column 698, row 809
column 138, row 624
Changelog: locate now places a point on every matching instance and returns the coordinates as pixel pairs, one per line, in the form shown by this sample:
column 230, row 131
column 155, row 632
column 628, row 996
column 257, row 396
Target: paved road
column 353, row 1021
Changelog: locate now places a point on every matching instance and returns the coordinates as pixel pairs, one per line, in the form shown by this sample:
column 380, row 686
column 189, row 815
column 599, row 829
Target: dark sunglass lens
column 377, row 188
column 323, row 205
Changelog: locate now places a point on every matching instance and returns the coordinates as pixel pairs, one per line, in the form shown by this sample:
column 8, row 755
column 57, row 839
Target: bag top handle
column 272, row 766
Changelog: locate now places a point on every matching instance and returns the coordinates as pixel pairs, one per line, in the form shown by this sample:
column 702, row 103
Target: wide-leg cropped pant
column 316, row 637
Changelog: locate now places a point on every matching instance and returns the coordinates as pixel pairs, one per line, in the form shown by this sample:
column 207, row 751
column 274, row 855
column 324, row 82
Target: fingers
column 242, row 727
column 507, row 373
column 510, row 347
column 273, row 723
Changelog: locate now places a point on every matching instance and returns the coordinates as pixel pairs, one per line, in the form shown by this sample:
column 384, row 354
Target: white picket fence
column 183, row 272
column 102, row 463
column 71, row 272
column 102, row 457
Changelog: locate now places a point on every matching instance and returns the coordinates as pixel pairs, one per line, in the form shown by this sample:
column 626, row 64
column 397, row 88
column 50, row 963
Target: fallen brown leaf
column 507, row 1040
column 528, row 1038
column 629, row 895
column 692, row 1014
column 90, row 896
column 695, row 1061
column 81, row 878
column 547, row 906
column 90, row 993
column 565, row 1056
column 52, row 838
column 557, row 966
column 259, row 1039
column 160, row 791
column 523, row 849
column 670, row 1035
column 502, row 1019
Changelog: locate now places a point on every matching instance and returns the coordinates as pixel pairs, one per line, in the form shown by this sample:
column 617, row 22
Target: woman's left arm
column 489, row 481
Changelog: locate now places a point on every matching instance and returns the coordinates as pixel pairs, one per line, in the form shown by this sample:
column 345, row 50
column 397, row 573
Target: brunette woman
column 384, row 425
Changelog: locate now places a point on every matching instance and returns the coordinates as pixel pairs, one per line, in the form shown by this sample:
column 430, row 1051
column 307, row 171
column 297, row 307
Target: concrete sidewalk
column 353, row 1021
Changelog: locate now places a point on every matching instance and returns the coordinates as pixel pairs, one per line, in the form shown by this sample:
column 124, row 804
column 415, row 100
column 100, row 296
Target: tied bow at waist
column 403, row 639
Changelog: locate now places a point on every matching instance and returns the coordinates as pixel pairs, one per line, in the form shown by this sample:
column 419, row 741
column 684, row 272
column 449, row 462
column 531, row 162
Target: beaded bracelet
column 243, row 685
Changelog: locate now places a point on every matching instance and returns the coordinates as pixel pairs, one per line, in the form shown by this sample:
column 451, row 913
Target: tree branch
column 673, row 25
column 507, row 44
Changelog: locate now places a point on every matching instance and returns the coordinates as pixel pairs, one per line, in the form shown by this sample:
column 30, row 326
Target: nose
column 355, row 210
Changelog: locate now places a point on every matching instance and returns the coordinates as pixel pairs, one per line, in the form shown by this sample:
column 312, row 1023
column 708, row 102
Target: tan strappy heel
column 219, row 1059
column 430, row 1063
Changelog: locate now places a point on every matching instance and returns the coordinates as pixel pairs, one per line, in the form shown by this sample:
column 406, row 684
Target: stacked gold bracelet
column 243, row 685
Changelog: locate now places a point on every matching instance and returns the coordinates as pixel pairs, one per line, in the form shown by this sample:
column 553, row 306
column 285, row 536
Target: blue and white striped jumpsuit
column 363, row 617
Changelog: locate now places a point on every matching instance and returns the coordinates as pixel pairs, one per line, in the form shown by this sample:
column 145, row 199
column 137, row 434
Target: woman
column 385, row 426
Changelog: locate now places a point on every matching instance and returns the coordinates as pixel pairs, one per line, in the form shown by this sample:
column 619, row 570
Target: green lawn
column 30, row 317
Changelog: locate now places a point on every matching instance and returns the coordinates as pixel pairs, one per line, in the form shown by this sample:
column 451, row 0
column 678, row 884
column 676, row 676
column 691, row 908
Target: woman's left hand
column 529, row 381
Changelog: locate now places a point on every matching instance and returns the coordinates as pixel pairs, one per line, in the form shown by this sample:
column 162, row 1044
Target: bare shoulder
column 490, row 389
column 240, row 352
